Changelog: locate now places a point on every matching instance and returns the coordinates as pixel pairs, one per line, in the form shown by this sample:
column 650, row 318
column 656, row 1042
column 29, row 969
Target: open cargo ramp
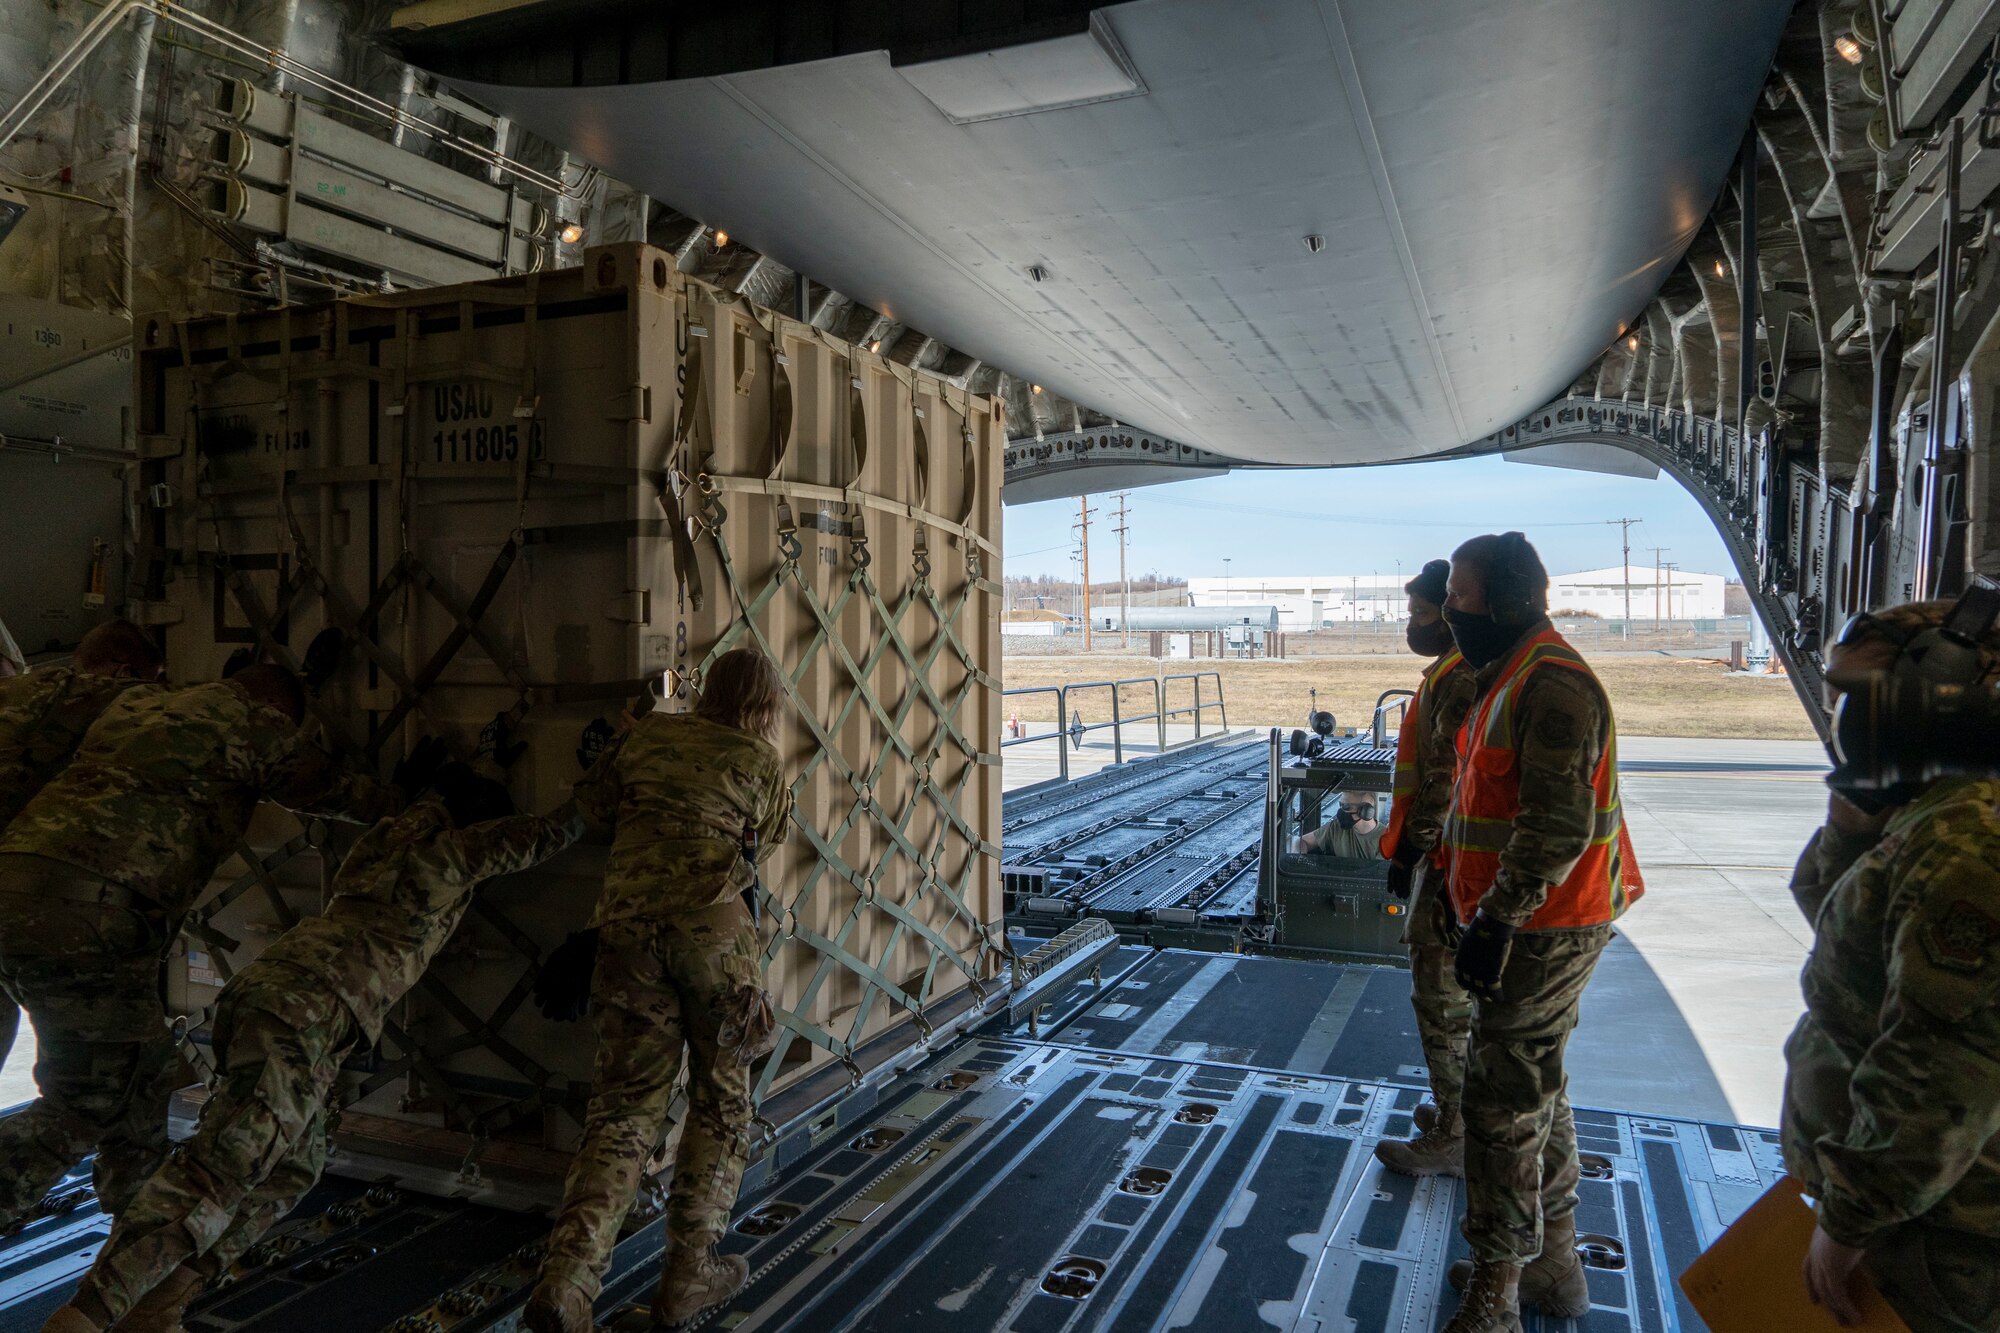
column 1036, row 1186
column 1006, row 1184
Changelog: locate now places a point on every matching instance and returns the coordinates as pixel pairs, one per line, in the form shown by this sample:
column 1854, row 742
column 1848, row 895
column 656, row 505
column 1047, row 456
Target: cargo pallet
column 544, row 500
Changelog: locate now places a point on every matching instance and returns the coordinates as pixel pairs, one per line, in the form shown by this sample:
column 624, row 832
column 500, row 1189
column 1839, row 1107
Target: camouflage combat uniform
column 1828, row 855
column 95, row 875
column 43, row 716
column 1521, row 1166
column 678, row 966
column 1443, row 1008
column 284, row 1025
column 1892, row 1100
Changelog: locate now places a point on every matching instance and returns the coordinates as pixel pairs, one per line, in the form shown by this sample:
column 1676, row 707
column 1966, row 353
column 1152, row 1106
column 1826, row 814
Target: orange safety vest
column 1409, row 756
column 1488, row 797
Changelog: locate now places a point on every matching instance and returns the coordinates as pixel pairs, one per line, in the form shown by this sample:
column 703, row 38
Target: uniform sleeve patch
column 1962, row 938
column 1556, row 728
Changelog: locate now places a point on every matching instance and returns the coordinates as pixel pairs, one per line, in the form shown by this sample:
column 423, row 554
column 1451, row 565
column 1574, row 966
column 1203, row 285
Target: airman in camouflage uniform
column 678, row 965
column 284, row 1025
column 44, row 714
column 95, row 875
column 1423, row 799
column 1353, row 832
column 1522, row 1166
column 1892, row 1105
column 1535, row 889
column 1891, row 1116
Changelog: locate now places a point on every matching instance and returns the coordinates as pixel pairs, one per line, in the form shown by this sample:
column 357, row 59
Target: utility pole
column 1124, row 580
column 1672, row 568
column 1625, row 532
column 1083, row 540
column 1658, row 551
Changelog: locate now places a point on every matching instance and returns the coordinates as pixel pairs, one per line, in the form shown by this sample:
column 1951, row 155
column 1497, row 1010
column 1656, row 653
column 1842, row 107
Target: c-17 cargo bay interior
column 547, row 348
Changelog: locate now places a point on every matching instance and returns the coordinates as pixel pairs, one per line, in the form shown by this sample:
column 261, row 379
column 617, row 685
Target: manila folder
column 1752, row 1280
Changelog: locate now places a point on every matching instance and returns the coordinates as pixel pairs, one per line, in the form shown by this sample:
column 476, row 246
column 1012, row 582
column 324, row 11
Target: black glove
column 1402, row 876
column 496, row 740
column 562, row 986
column 322, row 658
column 413, row 772
column 1482, row 956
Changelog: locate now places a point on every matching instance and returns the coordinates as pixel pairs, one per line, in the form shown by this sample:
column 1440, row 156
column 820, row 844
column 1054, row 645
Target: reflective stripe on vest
column 1487, row 798
column 1409, row 756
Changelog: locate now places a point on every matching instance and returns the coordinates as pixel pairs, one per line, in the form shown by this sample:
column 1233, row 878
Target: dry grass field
column 1652, row 696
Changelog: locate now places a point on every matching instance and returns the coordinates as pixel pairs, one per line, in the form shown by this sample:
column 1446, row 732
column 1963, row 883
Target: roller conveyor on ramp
column 1160, row 848
column 1185, row 1145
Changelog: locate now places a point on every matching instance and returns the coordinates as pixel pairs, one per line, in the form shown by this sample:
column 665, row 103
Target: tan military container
column 541, row 498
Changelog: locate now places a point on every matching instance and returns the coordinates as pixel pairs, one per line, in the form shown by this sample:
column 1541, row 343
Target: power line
column 1324, row 516
column 1658, row 551
column 1124, row 580
column 1082, row 529
column 1625, row 532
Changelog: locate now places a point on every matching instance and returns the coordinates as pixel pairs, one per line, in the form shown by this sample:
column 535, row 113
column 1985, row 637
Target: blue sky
column 1364, row 520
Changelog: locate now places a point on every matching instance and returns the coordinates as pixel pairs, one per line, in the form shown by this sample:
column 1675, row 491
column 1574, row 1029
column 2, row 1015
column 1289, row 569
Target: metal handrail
column 1382, row 707
column 1062, row 713
column 1078, row 729
column 1197, row 706
column 1069, row 734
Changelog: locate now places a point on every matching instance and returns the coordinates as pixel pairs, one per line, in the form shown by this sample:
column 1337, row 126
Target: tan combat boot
column 695, row 1281
column 160, row 1310
column 1438, row 1151
column 557, row 1306
column 69, row 1319
column 1490, row 1304
column 1555, row 1283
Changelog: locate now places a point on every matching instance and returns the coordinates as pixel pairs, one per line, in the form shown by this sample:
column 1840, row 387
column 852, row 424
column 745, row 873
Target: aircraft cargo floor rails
column 1182, row 1141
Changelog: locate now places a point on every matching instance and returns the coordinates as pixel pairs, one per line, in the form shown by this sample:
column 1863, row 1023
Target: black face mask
column 1875, row 801
column 1482, row 638
column 1432, row 640
column 1350, row 815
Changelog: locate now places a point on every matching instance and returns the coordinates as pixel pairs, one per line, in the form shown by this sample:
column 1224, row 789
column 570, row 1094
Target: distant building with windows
column 1671, row 594
column 1310, row 602
column 1332, row 600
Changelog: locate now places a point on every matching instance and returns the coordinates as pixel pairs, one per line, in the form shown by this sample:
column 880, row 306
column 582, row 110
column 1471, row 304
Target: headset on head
column 1510, row 594
column 1947, row 653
